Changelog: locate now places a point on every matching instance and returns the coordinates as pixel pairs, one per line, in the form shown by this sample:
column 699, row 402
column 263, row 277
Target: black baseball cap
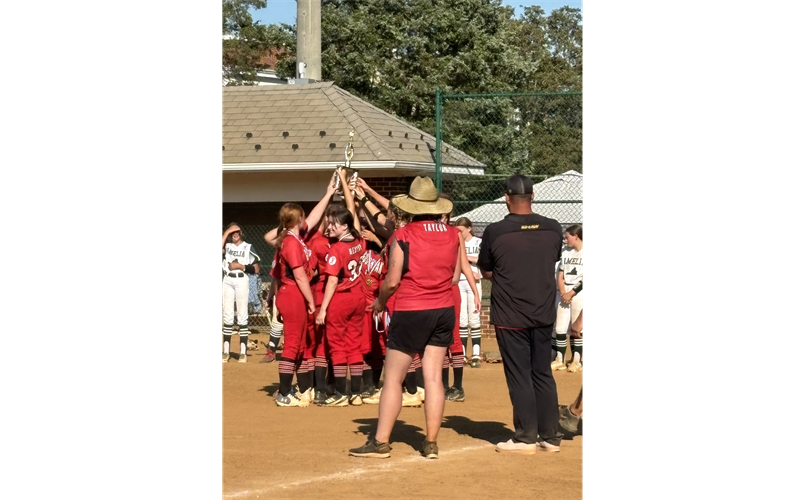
column 519, row 184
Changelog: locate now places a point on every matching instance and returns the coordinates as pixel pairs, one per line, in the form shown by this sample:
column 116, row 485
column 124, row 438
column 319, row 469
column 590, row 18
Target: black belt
column 235, row 275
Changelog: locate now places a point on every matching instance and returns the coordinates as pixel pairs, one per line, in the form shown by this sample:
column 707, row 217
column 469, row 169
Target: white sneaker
column 546, row 446
column 242, row 358
column 225, row 357
column 574, row 366
column 355, row 400
column 410, row 400
column 522, row 448
column 305, row 397
column 557, row 365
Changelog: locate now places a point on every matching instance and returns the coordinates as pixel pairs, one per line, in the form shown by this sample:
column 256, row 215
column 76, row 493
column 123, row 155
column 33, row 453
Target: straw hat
column 423, row 198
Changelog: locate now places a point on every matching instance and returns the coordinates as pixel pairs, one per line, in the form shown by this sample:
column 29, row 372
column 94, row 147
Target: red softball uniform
column 290, row 301
column 370, row 269
column 431, row 254
column 315, row 335
column 344, row 319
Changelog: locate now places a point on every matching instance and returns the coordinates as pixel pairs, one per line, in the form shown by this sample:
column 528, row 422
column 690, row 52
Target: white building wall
column 274, row 186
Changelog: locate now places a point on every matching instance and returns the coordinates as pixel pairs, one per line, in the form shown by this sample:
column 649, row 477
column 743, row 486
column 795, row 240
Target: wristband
column 364, row 199
column 578, row 287
column 249, row 268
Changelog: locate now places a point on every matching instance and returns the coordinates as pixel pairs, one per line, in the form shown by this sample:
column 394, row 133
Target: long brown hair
column 574, row 230
column 465, row 222
column 290, row 215
column 341, row 215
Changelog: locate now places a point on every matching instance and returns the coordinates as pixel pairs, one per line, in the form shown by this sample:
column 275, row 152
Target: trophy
column 349, row 151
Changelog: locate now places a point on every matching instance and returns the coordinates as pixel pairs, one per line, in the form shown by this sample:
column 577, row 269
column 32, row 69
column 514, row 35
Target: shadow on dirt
column 492, row 432
column 411, row 435
column 270, row 389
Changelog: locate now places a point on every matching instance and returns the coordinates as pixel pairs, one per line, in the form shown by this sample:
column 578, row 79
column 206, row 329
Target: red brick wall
column 389, row 186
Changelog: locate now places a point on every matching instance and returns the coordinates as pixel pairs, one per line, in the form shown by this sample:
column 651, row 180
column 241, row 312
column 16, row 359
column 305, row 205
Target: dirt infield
column 273, row 452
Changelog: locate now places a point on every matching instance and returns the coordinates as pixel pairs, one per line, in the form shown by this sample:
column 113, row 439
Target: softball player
column 343, row 305
column 237, row 262
column 457, row 350
column 469, row 316
column 295, row 302
column 571, row 299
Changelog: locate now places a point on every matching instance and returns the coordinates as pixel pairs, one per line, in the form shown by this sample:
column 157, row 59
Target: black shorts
column 411, row 331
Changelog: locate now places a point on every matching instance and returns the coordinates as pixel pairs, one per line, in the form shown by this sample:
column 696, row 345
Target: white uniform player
column 469, row 320
column 571, row 301
column 237, row 262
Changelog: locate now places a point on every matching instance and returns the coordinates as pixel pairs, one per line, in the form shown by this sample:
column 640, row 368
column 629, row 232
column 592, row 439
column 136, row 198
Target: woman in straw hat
column 423, row 260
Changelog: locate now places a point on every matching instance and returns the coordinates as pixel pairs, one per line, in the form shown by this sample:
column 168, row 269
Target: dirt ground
column 273, row 452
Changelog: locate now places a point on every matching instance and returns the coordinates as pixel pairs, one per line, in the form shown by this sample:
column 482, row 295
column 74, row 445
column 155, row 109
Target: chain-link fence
column 538, row 135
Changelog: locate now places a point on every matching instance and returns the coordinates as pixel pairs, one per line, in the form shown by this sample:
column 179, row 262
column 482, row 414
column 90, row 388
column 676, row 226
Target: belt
column 235, row 275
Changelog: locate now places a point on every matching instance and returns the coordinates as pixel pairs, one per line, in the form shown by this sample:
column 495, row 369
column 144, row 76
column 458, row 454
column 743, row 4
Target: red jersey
column 371, row 270
column 320, row 246
column 431, row 253
column 342, row 261
column 294, row 253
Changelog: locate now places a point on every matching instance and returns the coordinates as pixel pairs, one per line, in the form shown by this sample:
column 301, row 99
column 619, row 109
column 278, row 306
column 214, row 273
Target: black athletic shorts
column 411, row 331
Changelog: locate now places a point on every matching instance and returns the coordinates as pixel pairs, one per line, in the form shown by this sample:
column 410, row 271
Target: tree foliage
column 396, row 54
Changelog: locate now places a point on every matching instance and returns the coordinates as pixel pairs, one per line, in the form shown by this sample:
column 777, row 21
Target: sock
column 561, row 346
column 305, row 375
column 462, row 332
column 475, row 333
column 368, row 378
column 458, row 377
column 340, row 374
column 446, row 378
column 320, row 377
column 244, row 339
column 576, row 348
column 274, row 340
column 286, row 367
column 355, row 377
column 227, row 330
column 377, row 370
column 330, row 372
column 410, row 382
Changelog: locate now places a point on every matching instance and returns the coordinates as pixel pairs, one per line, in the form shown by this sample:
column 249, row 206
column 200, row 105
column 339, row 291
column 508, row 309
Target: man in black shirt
column 519, row 255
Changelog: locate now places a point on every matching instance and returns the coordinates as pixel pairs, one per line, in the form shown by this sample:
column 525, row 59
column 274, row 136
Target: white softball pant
column 566, row 314
column 236, row 290
column 467, row 314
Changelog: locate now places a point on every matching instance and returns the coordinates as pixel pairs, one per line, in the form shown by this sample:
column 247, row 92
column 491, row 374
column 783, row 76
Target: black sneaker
column 455, row 395
column 429, row 450
column 319, row 397
column 372, row 449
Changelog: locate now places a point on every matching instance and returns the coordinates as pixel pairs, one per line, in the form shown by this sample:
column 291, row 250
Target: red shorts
column 314, row 343
column 291, row 304
column 344, row 326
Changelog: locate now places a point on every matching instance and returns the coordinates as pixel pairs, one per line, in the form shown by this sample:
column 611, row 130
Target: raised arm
column 382, row 201
column 349, row 199
column 313, row 218
column 226, row 235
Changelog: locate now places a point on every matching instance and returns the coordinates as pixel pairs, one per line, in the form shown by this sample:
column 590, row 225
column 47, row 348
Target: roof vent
column 295, row 147
column 248, row 135
column 416, row 146
column 332, row 145
column 285, row 134
column 406, row 135
column 390, row 134
column 224, row 149
column 400, row 145
column 322, row 133
column 257, row 147
column 422, row 136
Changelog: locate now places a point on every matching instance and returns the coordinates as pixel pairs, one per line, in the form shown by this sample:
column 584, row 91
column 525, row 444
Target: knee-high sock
column 576, row 347
column 340, row 373
column 561, row 346
column 227, row 331
column 463, row 333
column 286, row 367
column 355, row 377
column 475, row 333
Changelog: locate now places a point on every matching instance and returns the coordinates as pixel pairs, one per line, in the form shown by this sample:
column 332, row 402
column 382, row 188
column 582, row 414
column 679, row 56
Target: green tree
column 246, row 42
column 396, row 54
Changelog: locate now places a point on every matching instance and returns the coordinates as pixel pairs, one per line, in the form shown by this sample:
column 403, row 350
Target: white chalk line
column 382, row 464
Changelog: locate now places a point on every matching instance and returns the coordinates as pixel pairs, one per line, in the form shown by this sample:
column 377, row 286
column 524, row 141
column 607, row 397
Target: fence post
column 438, row 140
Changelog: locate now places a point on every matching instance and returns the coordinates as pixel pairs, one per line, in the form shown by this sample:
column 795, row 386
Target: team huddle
column 362, row 285
column 327, row 272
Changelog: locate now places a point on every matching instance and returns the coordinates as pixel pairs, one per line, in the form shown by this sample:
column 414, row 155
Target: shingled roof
column 275, row 127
